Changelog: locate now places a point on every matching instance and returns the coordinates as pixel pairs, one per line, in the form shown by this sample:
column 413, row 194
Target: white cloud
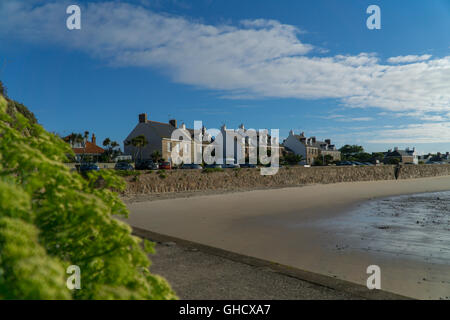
column 409, row 58
column 253, row 59
column 415, row 133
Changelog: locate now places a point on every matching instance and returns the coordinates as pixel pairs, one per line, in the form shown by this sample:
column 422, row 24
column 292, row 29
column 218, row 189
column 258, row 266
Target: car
column 166, row 165
column 146, row 165
column 123, row 166
column 248, row 165
column 230, row 166
column 190, row 166
column 344, row 163
column 86, row 167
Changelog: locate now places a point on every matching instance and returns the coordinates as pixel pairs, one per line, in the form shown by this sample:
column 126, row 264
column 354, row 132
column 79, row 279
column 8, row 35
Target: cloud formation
column 409, row 58
column 252, row 59
column 414, row 134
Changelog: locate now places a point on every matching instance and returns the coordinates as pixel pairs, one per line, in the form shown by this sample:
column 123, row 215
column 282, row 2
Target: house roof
column 89, row 149
column 402, row 153
column 160, row 129
column 318, row 144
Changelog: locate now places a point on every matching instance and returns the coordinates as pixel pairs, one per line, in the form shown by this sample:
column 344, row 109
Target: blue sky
column 311, row 66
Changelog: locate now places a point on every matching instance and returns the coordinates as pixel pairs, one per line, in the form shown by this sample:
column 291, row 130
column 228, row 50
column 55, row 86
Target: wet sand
column 303, row 227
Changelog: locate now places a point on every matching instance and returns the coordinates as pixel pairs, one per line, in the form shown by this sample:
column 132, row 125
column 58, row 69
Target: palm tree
column 114, row 144
column 138, row 142
column 106, row 142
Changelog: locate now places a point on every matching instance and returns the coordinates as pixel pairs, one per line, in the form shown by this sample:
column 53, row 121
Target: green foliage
column 394, row 161
column 156, row 156
column 51, row 218
column 13, row 107
column 111, row 150
column 291, row 158
column 318, row 162
column 139, row 143
column 351, row 149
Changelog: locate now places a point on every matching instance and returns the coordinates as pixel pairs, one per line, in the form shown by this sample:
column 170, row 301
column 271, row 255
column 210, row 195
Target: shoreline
column 275, row 225
column 258, row 279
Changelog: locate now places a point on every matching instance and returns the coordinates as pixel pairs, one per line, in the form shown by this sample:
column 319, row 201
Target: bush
column 51, row 218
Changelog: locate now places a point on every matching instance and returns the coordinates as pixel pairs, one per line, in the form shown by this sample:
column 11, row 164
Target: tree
column 292, row 158
column 139, row 142
column 350, row 150
column 327, row 159
column 156, row 156
column 51, row 218
column 110, row 149
column 107, row 142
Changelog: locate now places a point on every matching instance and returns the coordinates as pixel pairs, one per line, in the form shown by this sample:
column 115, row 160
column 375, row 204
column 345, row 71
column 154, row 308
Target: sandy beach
column 311, row 228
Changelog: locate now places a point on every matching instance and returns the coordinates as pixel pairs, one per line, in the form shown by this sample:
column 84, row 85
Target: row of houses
column 310, row 148
column 165, row 137
column 160, row 138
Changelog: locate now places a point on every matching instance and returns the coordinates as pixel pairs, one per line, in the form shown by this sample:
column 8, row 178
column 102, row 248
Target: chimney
column 313, row 139
column 242, row 126
column 396, row 149
column 173, row 123
column 93, row 139
column 291, row 133
column 328, row 141
column 143, row 118
column 183, row 126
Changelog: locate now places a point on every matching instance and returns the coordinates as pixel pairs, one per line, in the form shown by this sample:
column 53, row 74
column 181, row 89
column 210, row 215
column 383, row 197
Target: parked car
column 146, row 165
column 248, row 165
column 123, row 166
column 166, row 165
column 344, row 163
column 230, row 166
column 86, row 167
column 191, row 166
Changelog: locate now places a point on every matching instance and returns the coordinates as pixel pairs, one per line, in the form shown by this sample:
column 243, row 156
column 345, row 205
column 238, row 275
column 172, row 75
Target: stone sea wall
column 232, row 179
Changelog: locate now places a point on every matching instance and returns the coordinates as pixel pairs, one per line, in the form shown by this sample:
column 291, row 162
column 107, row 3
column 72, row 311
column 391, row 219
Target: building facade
column 311, row 148
column 407, row 156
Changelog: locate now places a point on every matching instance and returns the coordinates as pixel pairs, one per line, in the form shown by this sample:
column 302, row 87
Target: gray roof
column 317, row 144
column 164, row 130
column 402, row 153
